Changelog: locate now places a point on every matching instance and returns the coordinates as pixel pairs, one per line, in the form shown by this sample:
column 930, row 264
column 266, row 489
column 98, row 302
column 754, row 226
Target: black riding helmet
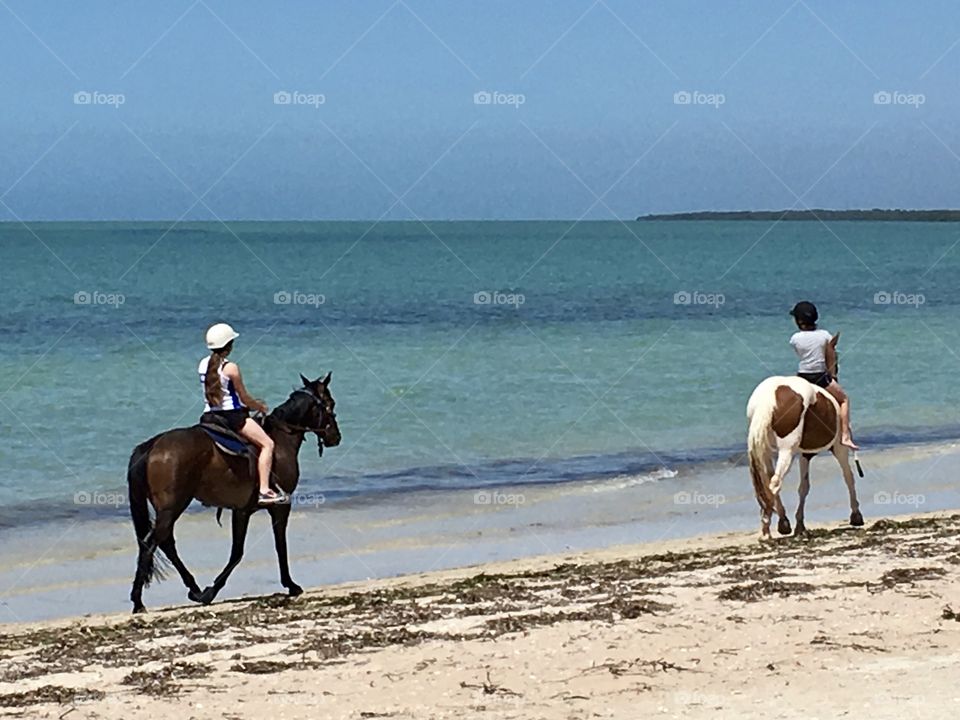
column 805, row 312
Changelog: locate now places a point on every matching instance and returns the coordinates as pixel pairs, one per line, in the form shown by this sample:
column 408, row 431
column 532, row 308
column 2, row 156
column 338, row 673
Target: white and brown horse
column 793, row 416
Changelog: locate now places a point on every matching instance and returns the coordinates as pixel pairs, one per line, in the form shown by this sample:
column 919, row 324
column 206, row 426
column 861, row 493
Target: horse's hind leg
column 144, row 573
column 146, row 561
column 240, row 521
column 803, row 492
column 169, row 548
column 842, row 454
column 784, row 461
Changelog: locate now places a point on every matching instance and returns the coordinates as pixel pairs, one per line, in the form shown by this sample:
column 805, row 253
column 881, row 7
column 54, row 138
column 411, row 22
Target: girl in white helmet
column 226, row 397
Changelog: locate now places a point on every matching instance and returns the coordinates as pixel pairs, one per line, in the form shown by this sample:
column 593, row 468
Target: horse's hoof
column 801, row 529
column 139, row 609
column 195, row 595
column 294, row 589
column 856, row 519
column 783, row 526
column 207, row 596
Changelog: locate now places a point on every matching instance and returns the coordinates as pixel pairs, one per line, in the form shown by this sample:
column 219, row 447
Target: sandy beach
column 841, row 622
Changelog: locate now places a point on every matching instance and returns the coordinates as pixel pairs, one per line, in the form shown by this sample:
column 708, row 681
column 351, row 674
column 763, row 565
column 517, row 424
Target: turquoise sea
column 464, row 354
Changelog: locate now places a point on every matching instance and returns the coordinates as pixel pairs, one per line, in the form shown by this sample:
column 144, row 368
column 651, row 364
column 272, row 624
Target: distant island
column 816, row 214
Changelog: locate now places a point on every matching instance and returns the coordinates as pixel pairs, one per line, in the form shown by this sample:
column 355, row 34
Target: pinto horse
column 794, row 417
column 174, row 468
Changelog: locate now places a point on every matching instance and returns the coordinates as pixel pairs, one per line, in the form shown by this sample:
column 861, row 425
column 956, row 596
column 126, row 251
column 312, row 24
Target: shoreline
column 86, row 567
column 673, row 624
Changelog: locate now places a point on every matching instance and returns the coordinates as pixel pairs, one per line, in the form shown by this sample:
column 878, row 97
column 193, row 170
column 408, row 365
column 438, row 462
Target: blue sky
column 782, row 102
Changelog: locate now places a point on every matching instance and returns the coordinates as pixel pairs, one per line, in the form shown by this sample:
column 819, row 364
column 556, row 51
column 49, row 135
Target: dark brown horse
column 174, row 468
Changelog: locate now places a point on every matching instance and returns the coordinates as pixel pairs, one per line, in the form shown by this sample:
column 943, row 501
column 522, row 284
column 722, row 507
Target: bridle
column 325, row 417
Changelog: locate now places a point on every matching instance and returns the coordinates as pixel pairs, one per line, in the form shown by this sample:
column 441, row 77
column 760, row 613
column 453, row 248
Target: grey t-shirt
column 809, row 346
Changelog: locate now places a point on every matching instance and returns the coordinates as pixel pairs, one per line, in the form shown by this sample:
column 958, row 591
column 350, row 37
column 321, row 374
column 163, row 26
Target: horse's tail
column 137, row 492
column 760, row 414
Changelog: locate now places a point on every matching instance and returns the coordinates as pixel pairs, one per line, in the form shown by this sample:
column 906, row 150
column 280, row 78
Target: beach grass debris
column 756, row 591
column 950, row 614
column 489, row 687
column 164, row 682
column 50, row 694
column 906, row 576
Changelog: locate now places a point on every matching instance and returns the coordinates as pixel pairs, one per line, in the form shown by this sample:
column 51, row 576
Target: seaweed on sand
column 49, row 694
column 164, row 681
column 753, row 592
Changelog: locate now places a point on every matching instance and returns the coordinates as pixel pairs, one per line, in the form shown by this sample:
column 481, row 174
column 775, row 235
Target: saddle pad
column 225, row 440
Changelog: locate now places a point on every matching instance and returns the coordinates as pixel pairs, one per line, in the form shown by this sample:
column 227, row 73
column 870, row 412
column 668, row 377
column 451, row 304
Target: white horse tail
column 760, row 414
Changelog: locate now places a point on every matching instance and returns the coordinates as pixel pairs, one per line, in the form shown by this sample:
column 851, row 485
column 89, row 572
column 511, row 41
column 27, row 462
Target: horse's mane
column 291, row 409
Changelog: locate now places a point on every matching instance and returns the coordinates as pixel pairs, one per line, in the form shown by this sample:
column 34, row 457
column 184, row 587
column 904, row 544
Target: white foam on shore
column 622, row 482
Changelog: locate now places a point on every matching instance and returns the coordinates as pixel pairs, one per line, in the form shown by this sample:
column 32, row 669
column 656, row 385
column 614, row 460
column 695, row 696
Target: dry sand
column 842, row 622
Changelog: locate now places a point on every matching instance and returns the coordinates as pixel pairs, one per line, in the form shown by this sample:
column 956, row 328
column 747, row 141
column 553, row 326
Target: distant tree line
column 816, row 214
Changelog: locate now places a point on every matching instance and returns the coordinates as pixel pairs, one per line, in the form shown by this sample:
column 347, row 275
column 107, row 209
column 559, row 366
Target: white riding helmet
column 219, row 335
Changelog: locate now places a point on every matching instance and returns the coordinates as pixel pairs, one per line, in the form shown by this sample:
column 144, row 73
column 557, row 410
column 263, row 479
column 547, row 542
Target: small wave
column 621, row 482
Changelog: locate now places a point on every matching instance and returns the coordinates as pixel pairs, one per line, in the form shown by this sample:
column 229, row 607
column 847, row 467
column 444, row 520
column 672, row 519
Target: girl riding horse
column 227, row 400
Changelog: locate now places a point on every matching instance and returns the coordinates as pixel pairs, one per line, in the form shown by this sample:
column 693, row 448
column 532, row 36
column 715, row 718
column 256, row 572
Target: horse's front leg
column 804, row 491
column 842, row 454
column 240, row 521
column 279, row 515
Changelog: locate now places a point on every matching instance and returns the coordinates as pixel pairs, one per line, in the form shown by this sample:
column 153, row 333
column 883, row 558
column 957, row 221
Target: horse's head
column 833, row 362
column 311, row 409
column 322, row 415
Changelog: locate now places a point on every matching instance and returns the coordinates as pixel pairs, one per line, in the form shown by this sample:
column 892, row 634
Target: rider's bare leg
column 258, row 436
column 846, row 437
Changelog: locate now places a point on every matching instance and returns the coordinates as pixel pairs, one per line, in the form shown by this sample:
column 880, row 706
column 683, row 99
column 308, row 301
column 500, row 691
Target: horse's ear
column 834, row 339
column 306, row 383
column 326, row 380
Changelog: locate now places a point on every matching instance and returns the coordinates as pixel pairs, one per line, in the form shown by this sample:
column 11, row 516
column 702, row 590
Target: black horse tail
column 140, row 508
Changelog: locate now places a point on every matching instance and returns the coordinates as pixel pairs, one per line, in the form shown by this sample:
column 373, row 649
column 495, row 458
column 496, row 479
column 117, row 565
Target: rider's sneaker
column 271, row 497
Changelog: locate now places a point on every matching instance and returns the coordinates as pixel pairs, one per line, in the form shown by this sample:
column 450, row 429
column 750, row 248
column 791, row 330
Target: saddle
column 226, row 440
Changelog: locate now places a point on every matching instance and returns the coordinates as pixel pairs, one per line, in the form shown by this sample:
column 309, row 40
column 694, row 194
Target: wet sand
column 841, row 622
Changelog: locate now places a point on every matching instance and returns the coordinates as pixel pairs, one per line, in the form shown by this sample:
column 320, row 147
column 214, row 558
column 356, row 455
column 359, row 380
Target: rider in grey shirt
column 812, row 345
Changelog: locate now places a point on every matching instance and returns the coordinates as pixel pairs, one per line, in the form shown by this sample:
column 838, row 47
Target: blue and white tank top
column 229, row 398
